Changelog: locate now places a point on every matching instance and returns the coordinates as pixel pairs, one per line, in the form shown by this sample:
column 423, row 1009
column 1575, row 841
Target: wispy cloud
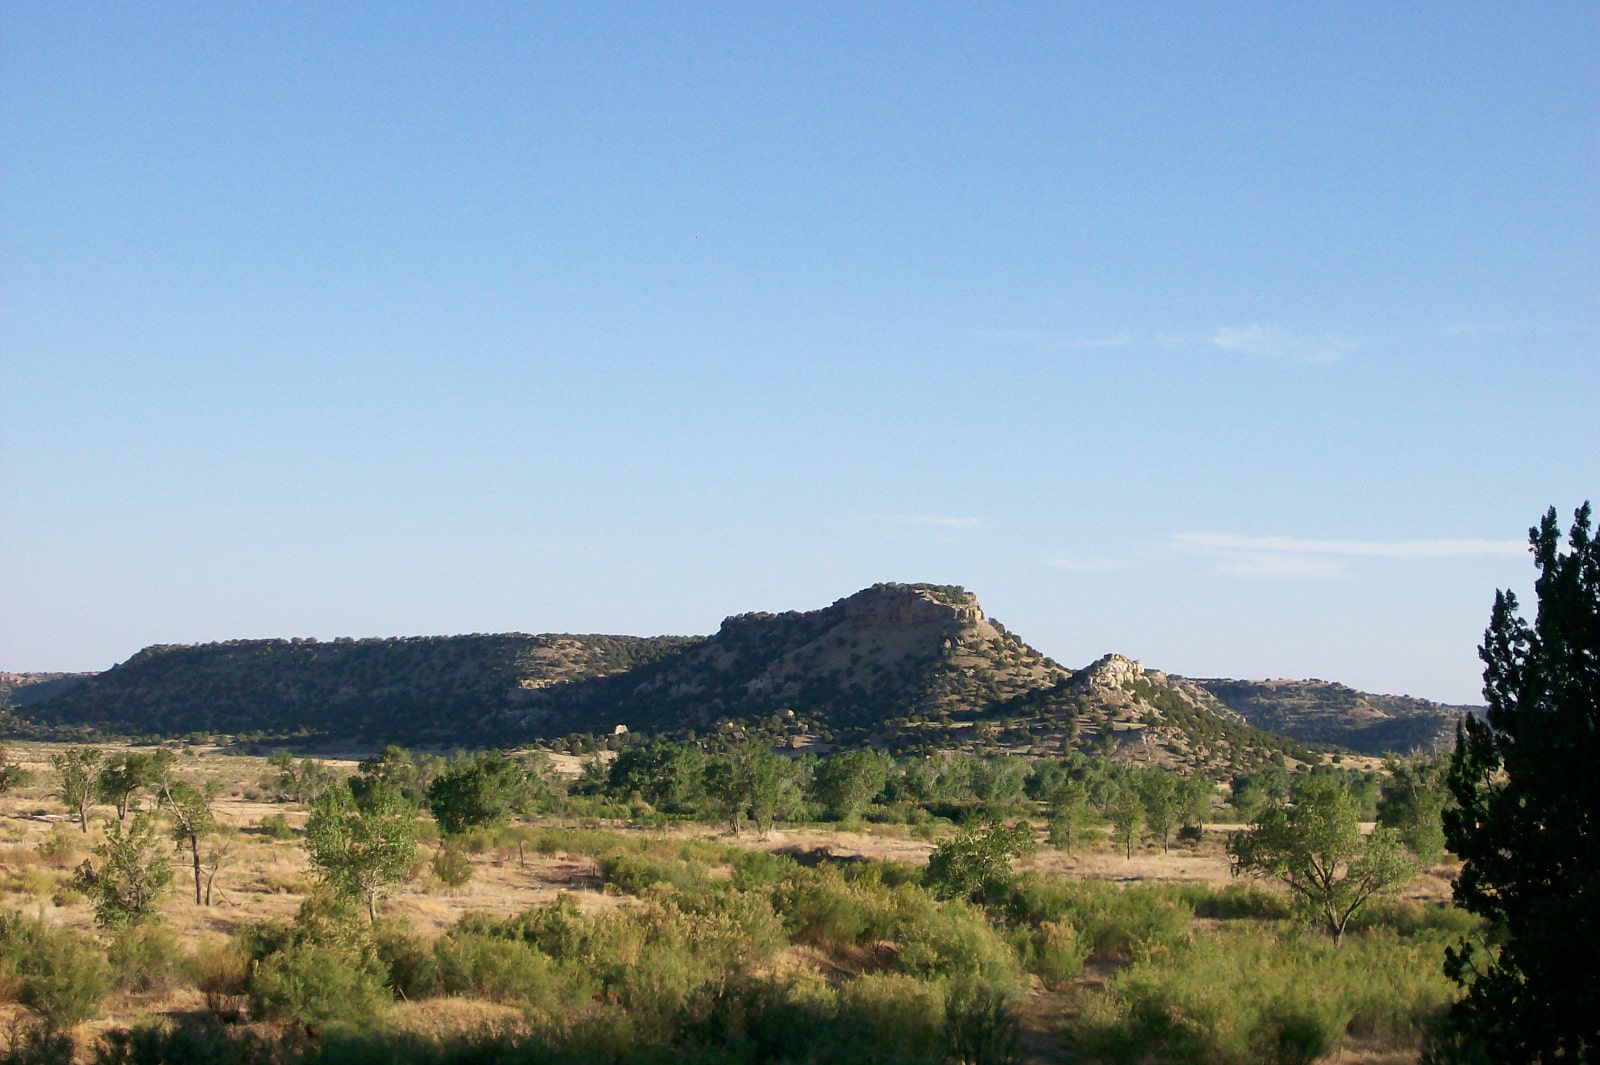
column 936, row 521
column 1402, row 549
column 1293, row 558
column 1270, row 342
column 1259, row 341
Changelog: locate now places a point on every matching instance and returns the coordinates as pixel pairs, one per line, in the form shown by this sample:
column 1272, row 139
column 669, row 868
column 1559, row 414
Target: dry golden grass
column 268, row 879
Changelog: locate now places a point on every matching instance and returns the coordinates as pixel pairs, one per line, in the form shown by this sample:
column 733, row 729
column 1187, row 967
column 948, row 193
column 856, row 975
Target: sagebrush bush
column 1264, row 993
column 451, row 865
column 508, row 971
column 275, row 826
column 319, row 986
column 953, row 938
column 407, row 959
column 1121, row 924
column 1056, row 953
column 59, row 975
column 145, row 958
column 221, row 972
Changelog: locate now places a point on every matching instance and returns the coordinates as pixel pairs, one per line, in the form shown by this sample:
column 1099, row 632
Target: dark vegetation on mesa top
column 910, row 666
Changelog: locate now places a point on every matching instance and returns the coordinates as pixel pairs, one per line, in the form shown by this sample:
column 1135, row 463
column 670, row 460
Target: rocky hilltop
column 908, row 665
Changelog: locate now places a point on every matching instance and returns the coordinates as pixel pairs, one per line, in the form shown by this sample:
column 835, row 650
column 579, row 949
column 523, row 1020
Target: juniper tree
column 1526, row 823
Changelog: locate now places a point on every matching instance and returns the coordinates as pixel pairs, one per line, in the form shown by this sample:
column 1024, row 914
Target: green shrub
column 1272, row 994
column 57, row 974
column 757, row 869
column 1120, row 924
column 318, row 986
column 407, row 959
column 1057, row 953
column 188, row 1042
column 822, row 908
column 896, row 1010
column 953, row 938
column 60, row 847
column 634, row 872
column 38, row 1045
column 221, row 972
column 145, row 958
column 508, row 971
column 450, row 864
column 980, row 1025
column 275, row 826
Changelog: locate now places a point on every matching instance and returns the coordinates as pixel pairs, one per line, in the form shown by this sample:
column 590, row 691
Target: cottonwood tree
column 1526, row 822
column 846, row 783
column 301, row 781
column 751, row 779
column 12, row 775
column 975, row 864
column 477, row 793
column 76, row 775
column 1126, row 814
column 133, row 873
column 1069, row 813
column 1411, row 800
column 361, row 849
column 1313, row 845
column 1158, row 794
column 124, row 774
column 189, row 807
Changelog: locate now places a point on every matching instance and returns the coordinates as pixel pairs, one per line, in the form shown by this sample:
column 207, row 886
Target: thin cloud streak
column 1397, row 549
column 1270, row 342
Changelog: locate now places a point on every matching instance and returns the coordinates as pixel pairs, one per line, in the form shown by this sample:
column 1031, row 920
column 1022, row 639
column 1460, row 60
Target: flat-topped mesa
column 912, row 604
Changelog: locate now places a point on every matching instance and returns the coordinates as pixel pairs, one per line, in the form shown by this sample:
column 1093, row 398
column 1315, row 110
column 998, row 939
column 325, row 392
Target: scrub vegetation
column 688, row 902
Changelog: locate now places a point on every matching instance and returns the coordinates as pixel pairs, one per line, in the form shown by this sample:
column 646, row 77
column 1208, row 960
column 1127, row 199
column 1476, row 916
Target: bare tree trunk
column 194, row 848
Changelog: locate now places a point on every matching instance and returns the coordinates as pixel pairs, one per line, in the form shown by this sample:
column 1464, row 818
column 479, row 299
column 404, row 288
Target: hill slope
column 905, row 665
column 1317, row 711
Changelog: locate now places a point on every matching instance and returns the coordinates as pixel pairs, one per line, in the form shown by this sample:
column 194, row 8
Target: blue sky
column 1244, row 339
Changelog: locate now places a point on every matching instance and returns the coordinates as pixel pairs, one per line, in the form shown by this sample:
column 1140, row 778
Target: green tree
column 75, row 779
column 1526, row 821
column 667, row 775
column 12, row 775
column 478, row 792
column 1069, row 812
column 133, row 873
column 1314, row 847
column 361, row 849
column 1158, row 794
column 124, row 774
column 189, row 808
column 751, row 780
column 846, row 783
column 975, row 864
column 301, row 781
column 1194, row 800
column 399, row 768
column 1411, row 801
column 1126, row 813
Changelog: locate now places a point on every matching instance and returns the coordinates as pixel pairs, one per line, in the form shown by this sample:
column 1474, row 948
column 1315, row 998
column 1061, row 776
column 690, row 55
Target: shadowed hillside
column 904, row 665
column 1316, row 711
